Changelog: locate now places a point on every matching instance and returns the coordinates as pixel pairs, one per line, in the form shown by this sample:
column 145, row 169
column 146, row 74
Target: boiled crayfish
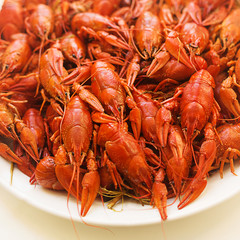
column 120, row 98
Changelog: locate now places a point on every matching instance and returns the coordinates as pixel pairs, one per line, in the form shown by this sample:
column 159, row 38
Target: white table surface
column 18, row 220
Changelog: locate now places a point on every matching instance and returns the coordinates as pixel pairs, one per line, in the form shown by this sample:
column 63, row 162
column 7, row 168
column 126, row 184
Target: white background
column 18, row 220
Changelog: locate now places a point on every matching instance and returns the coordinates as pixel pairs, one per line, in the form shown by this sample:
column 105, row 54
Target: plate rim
column 90, row 220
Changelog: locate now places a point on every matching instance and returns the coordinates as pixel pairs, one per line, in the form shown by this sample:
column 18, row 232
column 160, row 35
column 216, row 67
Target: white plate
column 129, row 214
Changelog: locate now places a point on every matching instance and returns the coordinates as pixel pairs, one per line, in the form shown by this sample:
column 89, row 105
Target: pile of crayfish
column 137, row 97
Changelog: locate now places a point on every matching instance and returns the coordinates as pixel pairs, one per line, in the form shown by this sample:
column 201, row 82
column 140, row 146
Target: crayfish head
column 177, row 170
column 193, row 119
column 149, row 51
column 140, row 174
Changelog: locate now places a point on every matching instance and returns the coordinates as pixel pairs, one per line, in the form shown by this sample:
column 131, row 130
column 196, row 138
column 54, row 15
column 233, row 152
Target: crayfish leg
column 229, row 154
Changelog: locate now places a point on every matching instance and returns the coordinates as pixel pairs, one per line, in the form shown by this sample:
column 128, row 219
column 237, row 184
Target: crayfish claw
column 90, row 187
column 90, row 184
column 134, row 117
column 163, row 120
column 160, row 199
column 26, row 139
column 159, row 194
column 158, row 62
column 194, row 189
column 8, row 154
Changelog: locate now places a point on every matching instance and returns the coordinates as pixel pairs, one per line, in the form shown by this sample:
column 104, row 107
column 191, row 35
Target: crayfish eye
column 58, row 98
column 192, row 45
column 74, row 56
column 145, row 53
column 9, row 128
column 171, row 183
column 7, row 66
